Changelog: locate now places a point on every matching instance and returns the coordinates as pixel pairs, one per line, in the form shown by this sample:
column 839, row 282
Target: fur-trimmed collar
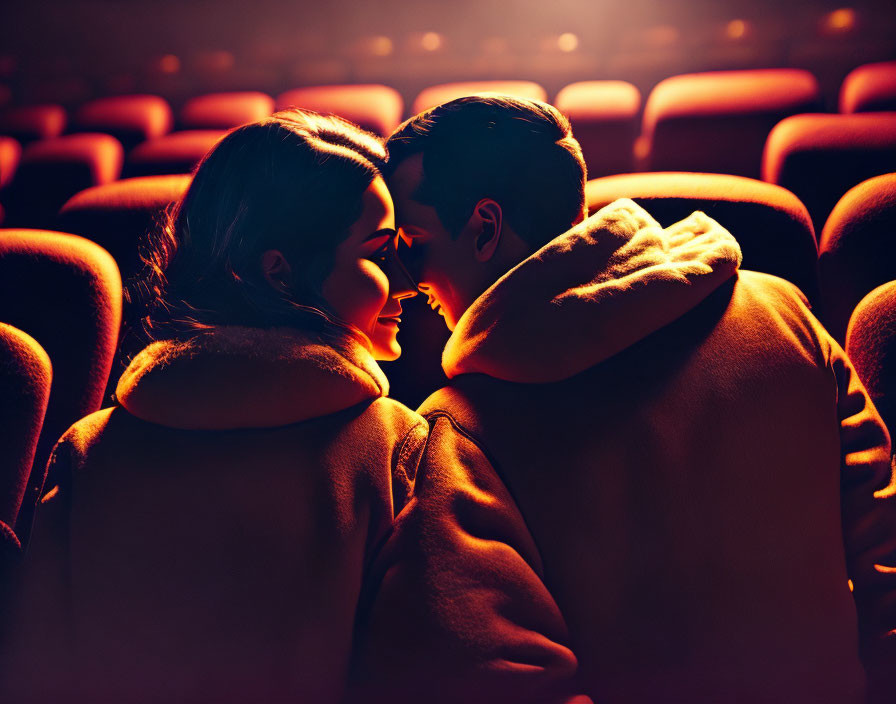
column 590, row 293
column 235, row 377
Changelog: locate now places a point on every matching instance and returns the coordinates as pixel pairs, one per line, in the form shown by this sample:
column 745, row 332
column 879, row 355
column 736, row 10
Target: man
column 651, row 478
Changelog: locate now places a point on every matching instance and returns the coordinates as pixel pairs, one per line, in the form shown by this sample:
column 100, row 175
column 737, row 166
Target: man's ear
column 276, row 269
column 487, row 218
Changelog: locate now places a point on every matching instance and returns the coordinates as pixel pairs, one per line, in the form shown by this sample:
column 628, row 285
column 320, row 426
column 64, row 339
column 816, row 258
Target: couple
column 651, row 478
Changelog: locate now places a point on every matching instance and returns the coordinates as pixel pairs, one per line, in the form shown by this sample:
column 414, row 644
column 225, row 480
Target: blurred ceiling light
column 217, row 60
column 381, row 46
column 567, row 42
column 431, row 41
column 737, row 29
column 495, row 45
column 840, row 21
column 661, row 36
column 169, row 63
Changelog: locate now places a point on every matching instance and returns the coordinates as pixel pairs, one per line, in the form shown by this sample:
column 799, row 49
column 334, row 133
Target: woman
column 209, row 536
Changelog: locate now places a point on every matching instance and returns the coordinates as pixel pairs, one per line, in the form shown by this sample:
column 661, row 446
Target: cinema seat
column 442, row 93
column 869, row 88
column 718, row 122
column 52, row 170
column 32, row 122
column 770, row 223
column 222, row 111
column 116, row 215
column 174, row 153
column 374, row 107
column 10, row 154
column 25, row 377
column 871, row 345
column 820, row 157
column 604, row 118
column 65, row 292
column 857, row 249
column 129, row 118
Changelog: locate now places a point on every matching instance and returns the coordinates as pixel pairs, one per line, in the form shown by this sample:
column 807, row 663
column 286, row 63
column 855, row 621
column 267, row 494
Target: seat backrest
column 175, row 153
column 771, row 225
column 443, row 92
column 857, row 249
column 129, row 118
column 53, row 170
column 604, row 119
column 10, row 154
column 820, row 157
column 717, row 122
column 65, row 292
column 29, row 123
column 869, row 88
column 374, row 107
column 222, row 111
column 25, row 377
column 116, row 215
column 871, row 345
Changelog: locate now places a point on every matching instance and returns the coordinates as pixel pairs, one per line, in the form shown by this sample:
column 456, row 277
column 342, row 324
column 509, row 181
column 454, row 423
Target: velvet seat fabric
column 820, row 157
column 717, row 122
column 604, row 117
column 276, row 462
column 223, row 111
column 374, row 107
column 649, row 479
column 871, row 345
column 116, row 215
column 29, row 123
column 869, row 88
column 857, row 249
column 25, row 377
column 770, row 224
column 129, row 118
column 443, row 92
column 53, row 170
column 65, row 292
column 175, row 153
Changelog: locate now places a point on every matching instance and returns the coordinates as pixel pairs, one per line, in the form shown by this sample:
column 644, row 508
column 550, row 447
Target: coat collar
column 235, row 377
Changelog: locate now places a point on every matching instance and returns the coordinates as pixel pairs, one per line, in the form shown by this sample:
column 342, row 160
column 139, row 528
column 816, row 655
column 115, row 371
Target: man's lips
column 389, row 320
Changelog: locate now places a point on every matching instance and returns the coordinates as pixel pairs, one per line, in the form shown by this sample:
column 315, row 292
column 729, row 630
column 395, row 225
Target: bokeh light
column 431, row 41
column 567, row 42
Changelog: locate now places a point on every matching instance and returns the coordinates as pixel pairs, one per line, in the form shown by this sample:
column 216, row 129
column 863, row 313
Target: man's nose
column 401, row 284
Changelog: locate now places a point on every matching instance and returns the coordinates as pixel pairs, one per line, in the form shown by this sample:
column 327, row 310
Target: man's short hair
column 521, row 153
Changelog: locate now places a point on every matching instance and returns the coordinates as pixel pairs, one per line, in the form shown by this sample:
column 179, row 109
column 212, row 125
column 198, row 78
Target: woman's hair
column 292, row 182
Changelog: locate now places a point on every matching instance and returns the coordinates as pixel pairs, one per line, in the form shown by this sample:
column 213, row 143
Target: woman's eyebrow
column 385, row 232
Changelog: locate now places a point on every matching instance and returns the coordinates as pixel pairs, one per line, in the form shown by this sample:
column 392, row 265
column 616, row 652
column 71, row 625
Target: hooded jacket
column 210, row 539
column 651, row 478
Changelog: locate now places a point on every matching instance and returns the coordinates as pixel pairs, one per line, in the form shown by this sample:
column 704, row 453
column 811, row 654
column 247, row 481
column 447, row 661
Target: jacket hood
column 234, row 377
column 590, row 293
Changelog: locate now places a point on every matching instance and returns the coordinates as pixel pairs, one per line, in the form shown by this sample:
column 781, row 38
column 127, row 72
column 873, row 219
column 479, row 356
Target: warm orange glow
column 661, row 36
column 737, row 29
column 495, row 45
column 218, row 60
column 431, row 41
column 169, row 64
column 840, row 21
column 567, row 42
column 851, row 585
column 381, row 46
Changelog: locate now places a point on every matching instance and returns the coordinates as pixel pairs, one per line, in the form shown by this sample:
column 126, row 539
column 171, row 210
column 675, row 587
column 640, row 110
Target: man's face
column 443, row 266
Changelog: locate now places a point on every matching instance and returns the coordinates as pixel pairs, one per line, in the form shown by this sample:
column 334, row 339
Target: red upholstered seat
column 65, row 292
column 718, row 122
column 374, row 107
column 221, row 111
column 52, row 170
column 33, row 122
column 857, row 249
column 871, row 345
column 25, row 376
column 174, row 153
column 770, row 223
column 820, row 157
column 118, row 214
column 442, row 93
column 869, row 88
column 604, row 118
column 10, row 154
column 129, row 118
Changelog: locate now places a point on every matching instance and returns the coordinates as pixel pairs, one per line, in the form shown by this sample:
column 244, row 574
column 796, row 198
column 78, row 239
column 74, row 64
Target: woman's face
column 368, row 281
